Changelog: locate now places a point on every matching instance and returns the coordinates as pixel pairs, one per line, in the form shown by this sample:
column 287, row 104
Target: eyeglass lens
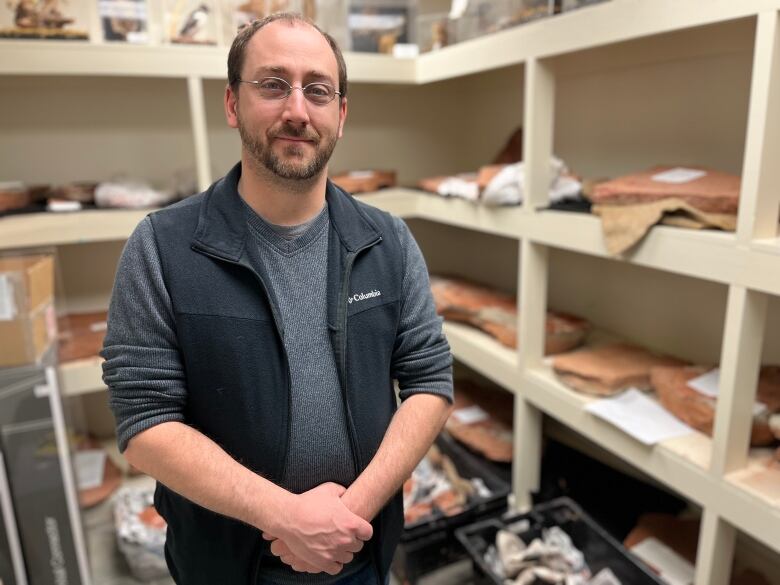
column 274, row 88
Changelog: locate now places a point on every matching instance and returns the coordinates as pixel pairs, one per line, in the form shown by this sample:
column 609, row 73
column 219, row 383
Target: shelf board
column 411, row 203
column 52, row 229
column 483, row 354
column 175, row 61
column 760, row 478
column 607, row 23
column 768, row 245
column 80, row 377
column 681, row 463
column 707, row 254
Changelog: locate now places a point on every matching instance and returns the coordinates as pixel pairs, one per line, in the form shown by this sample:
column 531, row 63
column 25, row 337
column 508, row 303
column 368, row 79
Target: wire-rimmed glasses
column 276, row 88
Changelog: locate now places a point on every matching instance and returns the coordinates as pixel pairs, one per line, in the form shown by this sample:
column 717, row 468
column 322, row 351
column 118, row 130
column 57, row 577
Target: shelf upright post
column 760, row 193
column 538, row 126
column 199, row 134
column 532, row 276
column 532, row 284
column 715, row 555
column 740, row 360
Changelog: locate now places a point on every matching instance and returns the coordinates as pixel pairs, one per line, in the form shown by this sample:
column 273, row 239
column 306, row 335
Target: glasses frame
column 290, row 89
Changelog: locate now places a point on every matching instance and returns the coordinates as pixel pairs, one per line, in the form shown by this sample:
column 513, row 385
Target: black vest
column 230, row 339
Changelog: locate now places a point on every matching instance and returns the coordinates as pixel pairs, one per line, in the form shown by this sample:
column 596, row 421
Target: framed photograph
column 190, row 22
column 124, row 21
column 44, row 19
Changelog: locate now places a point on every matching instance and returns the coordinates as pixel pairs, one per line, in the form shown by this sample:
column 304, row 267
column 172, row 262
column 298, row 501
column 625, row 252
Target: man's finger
column 354, row 547
column 333, row 568
column 278, row 548
column 282, row 547
column 267, row 536
column 299, row 565
column 365, row 531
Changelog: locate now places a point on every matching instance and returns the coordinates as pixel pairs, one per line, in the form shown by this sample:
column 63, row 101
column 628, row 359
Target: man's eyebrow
column 278, row 70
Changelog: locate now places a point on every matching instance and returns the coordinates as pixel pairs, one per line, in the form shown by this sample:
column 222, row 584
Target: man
column 253, row 336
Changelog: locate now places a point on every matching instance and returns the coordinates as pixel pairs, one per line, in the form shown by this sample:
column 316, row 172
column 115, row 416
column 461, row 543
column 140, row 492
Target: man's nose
column 295, row 108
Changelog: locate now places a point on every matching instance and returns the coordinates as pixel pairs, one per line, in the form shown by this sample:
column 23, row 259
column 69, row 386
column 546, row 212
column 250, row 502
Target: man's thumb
column 335, row 489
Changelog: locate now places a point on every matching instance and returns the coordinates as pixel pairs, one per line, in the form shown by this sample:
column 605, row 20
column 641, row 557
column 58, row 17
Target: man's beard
column 263, row 154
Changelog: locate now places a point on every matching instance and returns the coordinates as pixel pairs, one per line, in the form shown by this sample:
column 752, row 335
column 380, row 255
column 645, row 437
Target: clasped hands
column 317, row 532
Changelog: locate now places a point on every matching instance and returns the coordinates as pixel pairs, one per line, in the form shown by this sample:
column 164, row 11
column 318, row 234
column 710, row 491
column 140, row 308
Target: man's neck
column 281, row 201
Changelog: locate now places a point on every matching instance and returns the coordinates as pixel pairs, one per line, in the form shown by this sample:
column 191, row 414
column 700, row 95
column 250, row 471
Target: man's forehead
column 282, row 46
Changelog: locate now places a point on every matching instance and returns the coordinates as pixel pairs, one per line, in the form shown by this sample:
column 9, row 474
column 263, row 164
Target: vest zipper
column 342, row 322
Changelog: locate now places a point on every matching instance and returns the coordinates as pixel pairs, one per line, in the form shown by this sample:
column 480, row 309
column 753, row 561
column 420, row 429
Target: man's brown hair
column 238, row 49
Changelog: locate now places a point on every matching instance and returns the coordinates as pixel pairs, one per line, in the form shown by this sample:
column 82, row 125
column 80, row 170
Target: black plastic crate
column 599, row 548
column 430, row 543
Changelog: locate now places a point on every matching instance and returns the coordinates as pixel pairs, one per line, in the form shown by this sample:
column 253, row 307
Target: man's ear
column 231, row 103
column 342, row 116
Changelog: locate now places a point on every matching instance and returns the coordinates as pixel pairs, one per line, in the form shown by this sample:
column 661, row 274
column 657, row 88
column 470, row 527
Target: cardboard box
column 28, row 324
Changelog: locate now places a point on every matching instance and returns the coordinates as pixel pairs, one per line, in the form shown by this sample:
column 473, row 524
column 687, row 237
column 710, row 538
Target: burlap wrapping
column 625, row 225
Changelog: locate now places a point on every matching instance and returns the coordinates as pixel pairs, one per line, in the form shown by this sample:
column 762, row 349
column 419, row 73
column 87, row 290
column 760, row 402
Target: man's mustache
column 293, row 132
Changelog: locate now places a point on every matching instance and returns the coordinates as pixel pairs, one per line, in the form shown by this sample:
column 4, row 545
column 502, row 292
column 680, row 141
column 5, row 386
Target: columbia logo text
column 363, row 296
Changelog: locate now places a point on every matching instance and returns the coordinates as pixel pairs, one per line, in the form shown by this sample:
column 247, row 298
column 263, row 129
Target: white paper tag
column 90, row 466
column 99, row 326
column 360, row 174
column 470, row 415
column 61, row 206
column 679, row 175
column 458, row 8
column 673, row 568
column 406, row 51
column 639, row 416
column 709, row 385
column 7, row 303
column 41, row 390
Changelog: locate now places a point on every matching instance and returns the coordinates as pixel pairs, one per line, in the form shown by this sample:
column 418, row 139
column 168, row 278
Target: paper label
column 709, row 385
column 679, row 175
column 639, row 416
column 101, row 326
column 470, row 415
column 673, row 568
column 360, row 174
column 7, row 302
column 90, row 467
column 406, row 51
column 41, row 390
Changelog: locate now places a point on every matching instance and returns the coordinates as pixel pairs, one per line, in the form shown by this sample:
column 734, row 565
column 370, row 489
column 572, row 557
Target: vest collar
column 222, row 226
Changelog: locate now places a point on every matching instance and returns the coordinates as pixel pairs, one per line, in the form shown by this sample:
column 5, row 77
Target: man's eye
column 318, row 90
column 272, row 85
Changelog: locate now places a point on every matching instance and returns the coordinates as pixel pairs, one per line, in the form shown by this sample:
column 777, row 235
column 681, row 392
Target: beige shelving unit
column 535, row 61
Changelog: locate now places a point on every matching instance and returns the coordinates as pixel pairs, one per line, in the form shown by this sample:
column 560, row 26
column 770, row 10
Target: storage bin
column 601, row 551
